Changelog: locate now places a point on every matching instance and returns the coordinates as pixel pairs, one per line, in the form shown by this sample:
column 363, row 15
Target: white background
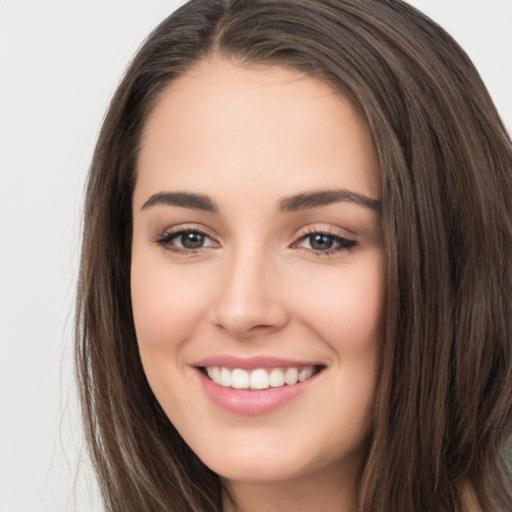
column 59, row 64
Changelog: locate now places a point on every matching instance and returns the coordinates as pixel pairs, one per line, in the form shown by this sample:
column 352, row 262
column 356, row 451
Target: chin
column 277, row 462
column 260, row 470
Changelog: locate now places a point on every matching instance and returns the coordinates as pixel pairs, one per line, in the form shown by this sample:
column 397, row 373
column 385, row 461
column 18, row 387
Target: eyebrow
column 301, row 201
column 319, row 198
column 183, row 199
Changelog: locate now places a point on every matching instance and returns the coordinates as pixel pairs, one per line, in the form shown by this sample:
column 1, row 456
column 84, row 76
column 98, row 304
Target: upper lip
column 252, row 363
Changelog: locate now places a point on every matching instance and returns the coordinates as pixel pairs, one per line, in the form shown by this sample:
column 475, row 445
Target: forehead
column 224, row 124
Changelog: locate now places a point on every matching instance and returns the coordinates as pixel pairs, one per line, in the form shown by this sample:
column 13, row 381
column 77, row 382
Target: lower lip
column 252, row 402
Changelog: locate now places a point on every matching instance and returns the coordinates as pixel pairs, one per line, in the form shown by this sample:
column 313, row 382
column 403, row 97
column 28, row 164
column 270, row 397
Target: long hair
column 443, row 410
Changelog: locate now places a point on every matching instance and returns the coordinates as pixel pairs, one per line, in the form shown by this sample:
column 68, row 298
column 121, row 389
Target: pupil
column 321, row 242
column 192, row 240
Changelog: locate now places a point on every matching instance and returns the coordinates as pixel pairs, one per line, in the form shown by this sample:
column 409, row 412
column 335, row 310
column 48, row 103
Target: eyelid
column 345, row 243
column 168, row 234
column 342, row 243
column 188, row 227
column 324, row 230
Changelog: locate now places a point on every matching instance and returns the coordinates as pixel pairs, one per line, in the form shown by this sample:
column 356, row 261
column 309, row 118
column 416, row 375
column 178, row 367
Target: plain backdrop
column 59, row 64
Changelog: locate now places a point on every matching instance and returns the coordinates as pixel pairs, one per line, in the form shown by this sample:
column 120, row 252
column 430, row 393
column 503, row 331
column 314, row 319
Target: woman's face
column 257, row 260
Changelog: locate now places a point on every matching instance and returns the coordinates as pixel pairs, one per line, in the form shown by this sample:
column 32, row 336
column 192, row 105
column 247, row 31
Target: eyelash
column 342, row 243
column 166, row 239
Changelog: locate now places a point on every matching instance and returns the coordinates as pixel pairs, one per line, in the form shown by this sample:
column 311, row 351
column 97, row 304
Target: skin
column 248, row 137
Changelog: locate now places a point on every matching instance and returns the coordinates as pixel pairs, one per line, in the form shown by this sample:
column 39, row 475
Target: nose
column 250, row 301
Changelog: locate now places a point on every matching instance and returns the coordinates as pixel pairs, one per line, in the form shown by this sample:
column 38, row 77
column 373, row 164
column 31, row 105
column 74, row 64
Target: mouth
column 256, row 385
column 259, row 379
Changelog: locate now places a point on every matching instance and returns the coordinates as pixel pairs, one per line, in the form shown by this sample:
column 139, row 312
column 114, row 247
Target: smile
column 259, row 378
column 257, row 385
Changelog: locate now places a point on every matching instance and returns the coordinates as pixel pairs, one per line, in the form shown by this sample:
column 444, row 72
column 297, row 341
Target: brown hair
column 443, row 410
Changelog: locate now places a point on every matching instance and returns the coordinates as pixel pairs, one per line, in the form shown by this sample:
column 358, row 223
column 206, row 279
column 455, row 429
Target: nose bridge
column 248, row 301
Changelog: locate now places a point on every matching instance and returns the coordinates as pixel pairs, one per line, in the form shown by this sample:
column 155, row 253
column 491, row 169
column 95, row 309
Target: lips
column 254, row 385
column 252, row 363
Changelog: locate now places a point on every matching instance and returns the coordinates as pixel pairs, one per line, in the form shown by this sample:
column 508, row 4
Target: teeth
column 291, row 376
column 215, row 374
column 276, row 378
column 225, row 377
column 239, row 379
column 305, row 373
column 260, row 378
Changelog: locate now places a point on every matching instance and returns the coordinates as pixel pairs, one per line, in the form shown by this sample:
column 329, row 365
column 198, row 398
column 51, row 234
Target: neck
column 329, row 491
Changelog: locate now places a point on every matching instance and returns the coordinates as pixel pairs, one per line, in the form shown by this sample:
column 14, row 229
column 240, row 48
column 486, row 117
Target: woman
column 296, row 270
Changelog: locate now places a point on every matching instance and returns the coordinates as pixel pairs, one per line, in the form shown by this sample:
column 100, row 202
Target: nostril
column 261, row 327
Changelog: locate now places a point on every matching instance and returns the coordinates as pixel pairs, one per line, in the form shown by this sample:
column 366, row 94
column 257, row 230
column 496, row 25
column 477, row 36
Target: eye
column 185, row 241
column 322, row 243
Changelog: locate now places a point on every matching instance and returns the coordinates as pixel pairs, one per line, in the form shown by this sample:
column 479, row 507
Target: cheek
column 346, row 313
column 167, row 303
column 344, row 307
